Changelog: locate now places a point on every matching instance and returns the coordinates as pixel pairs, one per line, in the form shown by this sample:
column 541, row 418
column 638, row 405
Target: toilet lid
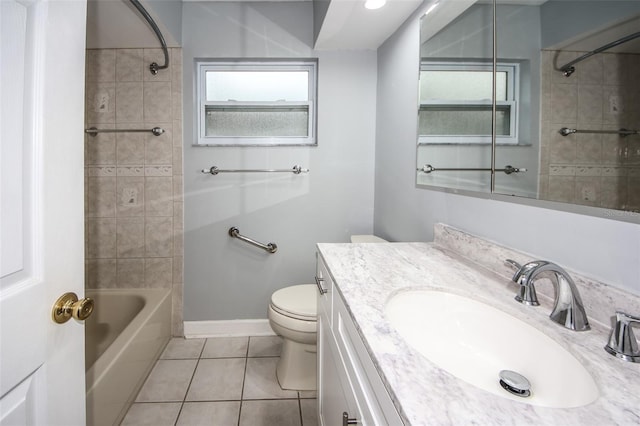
column 299, row 300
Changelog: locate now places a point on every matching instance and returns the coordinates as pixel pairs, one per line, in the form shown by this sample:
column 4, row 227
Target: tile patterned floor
column 218, row 382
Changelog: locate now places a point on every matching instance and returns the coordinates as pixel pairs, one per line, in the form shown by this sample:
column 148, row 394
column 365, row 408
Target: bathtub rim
column 153, row 297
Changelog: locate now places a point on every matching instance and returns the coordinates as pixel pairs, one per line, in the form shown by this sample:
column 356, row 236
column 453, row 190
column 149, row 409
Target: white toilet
column 292, row 315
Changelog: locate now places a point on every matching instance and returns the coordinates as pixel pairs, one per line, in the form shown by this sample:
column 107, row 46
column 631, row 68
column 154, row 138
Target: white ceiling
column 347, row 24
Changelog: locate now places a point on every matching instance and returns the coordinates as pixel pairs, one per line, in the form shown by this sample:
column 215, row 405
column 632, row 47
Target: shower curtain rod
column 569, row 68
column 154, row 67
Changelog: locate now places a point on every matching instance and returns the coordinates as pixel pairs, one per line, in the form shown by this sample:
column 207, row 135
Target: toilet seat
column 297, row 328
column 298, row 302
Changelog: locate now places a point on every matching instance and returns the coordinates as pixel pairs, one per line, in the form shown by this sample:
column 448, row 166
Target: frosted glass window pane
column 268, row 86
column 463, row 121
column 501, row 86
column 461, row 85
column 256, row 122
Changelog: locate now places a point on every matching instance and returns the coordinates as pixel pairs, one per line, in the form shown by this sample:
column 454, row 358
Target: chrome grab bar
column 565, row 131
column 428, row 168
column 235, row 233
column 154, row 67
column 213, row 170
column 157, row 131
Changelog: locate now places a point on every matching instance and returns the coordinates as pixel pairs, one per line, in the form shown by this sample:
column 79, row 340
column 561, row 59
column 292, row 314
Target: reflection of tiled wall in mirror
column 601, row 170
column 133, row 181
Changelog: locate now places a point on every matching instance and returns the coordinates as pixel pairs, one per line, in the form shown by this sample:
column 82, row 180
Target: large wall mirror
column 555, row 121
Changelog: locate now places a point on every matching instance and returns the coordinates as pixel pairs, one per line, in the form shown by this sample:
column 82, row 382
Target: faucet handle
column 622, row 341
column 514, row 265
column 527, row 293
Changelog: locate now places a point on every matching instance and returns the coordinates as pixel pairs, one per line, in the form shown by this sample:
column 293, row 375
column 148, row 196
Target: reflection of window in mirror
column 455, row 102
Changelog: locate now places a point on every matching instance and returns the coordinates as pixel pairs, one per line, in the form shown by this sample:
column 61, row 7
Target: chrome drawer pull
column 347, row 421
column 319, row 284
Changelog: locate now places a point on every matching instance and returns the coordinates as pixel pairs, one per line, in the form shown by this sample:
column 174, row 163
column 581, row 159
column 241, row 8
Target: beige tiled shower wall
column 133, row 187
column 603, row 94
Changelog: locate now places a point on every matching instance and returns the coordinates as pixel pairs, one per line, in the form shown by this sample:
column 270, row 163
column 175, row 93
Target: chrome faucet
column 622, row 341
column 568, row 309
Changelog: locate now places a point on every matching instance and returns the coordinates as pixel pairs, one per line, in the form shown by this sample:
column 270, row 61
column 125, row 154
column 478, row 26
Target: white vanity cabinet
column 350, row 390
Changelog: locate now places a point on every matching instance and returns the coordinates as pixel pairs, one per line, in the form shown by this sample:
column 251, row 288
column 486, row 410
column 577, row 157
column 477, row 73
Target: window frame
column 205, row 65
column 513, row 96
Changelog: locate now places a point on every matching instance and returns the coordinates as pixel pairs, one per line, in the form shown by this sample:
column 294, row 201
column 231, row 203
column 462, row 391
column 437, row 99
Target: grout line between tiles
column 202, row 350
column 184, row 398
column 244, row 378
column 248, row 346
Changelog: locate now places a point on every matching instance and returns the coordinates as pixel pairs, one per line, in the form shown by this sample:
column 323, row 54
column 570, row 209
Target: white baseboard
column 230, row 328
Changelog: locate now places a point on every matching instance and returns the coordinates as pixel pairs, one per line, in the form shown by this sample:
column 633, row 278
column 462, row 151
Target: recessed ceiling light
column 374, row 4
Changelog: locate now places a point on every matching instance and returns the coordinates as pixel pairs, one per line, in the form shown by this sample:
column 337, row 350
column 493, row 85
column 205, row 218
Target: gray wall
column 562, row 20
column 605, row 249
column 169, row 13
column 226, row 278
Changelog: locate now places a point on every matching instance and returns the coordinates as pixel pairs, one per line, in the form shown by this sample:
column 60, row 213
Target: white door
column 42, row 45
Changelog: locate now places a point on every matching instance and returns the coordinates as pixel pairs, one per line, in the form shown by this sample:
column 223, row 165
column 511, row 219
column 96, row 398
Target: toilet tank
column 367, row 239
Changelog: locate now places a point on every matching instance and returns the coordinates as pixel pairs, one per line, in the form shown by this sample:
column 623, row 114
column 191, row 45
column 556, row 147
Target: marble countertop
column 367, row 275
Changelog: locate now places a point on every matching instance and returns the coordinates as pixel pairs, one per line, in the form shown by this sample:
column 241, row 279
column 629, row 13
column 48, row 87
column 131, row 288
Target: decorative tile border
column 614, row 171
column 592, row 170
column 137, row 171
column 588, row 171
column 158, row 171
column 100, row 171
column 557, row 170
column 131, row 171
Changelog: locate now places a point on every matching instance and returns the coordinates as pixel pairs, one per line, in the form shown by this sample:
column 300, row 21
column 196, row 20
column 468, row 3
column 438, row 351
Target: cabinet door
column 369, row 392
column 334, row 394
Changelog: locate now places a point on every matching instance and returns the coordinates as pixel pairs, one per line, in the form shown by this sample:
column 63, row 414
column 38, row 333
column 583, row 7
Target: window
column 455, row 102
column 257, row 102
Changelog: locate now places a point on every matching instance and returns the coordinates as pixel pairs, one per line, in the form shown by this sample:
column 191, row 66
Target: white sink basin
column 474, row 342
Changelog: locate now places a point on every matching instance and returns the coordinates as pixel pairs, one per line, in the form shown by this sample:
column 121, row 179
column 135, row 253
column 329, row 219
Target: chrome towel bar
column 428, row 168
column 565, row 131
column 157, row 131
column 213, row 170
column 235, row 233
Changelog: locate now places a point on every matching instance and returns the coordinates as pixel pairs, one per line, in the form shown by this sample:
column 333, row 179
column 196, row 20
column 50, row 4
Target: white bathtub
column 125, row 335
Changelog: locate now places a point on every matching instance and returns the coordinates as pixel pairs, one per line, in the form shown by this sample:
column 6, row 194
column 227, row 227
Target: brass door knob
column 68, row 306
